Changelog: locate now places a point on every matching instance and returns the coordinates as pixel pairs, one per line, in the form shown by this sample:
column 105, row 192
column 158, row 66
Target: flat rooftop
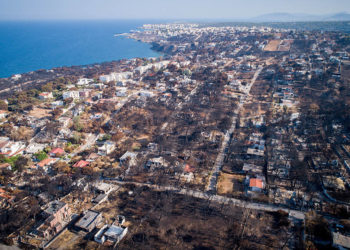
column 54, row 206
column 88, row 218
column 114, row 231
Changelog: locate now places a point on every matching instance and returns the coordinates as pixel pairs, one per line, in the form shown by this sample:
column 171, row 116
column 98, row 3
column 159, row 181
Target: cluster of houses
column 139, row 82
column 57, row 216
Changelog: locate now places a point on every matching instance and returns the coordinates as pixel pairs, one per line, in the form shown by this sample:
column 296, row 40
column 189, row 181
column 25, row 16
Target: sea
column 31, row 45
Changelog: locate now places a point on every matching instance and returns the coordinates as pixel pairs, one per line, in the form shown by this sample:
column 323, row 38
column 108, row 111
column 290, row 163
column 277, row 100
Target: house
column 3, row 114
column 110, row 233
column 84, row 82
column 71, row 94
column 45, row 95
column 97, row 86
column 56, row 152
column 57, row 216
column 129, row 157
column 16, row 77
column 11, row 148
column 341, row 241
column 56, row 104
column 116, row 77
column 84, row 94
column 256, row 184
column 157, row 162
column 103, row 188
column 92, row 157
column 106, row 148
column 251, row 168
column 33, row 148
column 89, row 221
column 106, row 78
column 188, row 175
column 100, row 198
column 44, row 164
column 81, row 164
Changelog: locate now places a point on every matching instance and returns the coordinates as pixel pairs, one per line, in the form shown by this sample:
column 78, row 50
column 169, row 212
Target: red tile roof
column 46, row 162
column 81, row 164
column 57, row 151
column 256, row 183
column 189, row 169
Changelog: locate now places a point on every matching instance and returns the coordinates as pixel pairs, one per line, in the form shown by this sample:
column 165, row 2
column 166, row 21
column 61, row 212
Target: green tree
column 41, row 156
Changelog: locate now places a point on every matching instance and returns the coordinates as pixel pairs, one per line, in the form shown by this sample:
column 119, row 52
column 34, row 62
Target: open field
column 272, row 45
column 39, row 113
column 285, row 45
column 225, row 183
column 65, row 241
column 229, row 183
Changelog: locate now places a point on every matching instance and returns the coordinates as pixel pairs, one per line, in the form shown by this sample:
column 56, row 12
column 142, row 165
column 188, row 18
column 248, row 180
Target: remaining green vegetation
column 41, row 156
column 11, row 160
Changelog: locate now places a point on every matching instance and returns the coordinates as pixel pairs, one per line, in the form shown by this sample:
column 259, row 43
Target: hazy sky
column 162, row 9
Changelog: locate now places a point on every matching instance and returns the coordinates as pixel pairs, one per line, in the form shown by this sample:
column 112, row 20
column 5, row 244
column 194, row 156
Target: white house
column 13, row 148
column 106, row 148
column 116, row 76
column 129, row 155
column 56, row 104
column 34, row 148
column 112, row 233
column 45, row 95
column 84, row 82
column 71, row 94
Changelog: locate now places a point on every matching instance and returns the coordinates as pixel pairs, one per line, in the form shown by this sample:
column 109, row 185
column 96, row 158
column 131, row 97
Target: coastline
column 53, row 45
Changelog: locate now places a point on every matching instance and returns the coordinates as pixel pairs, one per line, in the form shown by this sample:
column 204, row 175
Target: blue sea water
column 31, row 45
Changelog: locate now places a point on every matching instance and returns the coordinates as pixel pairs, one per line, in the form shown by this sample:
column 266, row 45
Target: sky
column 162, row 9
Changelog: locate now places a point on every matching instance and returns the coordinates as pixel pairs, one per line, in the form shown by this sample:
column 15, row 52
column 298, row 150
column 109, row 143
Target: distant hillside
column 299, row 17
column 339, row 17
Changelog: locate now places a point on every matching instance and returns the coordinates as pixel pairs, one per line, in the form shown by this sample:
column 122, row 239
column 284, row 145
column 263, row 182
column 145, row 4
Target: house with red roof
column 81, row 164
column 256, row 184
column 189, row 169
column 45, row 95
column 46, row 163
column 56, row 152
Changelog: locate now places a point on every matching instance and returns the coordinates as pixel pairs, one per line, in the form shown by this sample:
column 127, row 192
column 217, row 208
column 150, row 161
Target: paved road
column 220, row 199
column 211, row 187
